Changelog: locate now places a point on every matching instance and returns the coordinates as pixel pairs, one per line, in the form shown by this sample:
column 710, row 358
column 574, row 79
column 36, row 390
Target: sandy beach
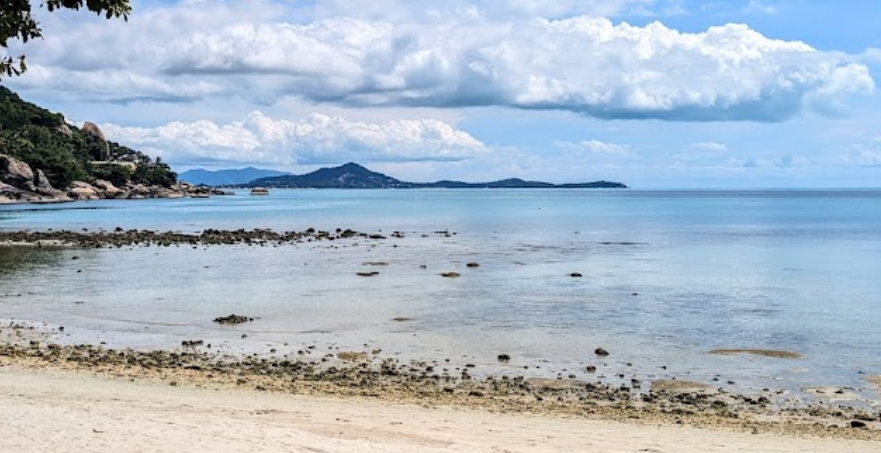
column 45, row 411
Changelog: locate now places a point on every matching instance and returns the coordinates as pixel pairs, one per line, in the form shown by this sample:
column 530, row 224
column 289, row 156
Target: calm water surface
column 667, row 276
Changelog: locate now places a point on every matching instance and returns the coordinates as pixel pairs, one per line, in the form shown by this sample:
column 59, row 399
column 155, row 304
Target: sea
column 666, row 277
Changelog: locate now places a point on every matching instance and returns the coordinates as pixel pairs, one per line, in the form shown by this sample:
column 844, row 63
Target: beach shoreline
column 364, row 376
column 61, row 411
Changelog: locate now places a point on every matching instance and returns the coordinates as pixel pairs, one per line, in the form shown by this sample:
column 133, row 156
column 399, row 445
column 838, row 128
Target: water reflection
column 20, row 259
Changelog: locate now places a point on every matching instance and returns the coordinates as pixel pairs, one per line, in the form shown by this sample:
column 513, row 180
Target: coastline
column 61, row 411
column 359, row 376
column 388, row 384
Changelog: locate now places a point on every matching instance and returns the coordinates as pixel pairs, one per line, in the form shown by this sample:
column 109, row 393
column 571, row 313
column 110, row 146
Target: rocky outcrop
column 19, row 183
column 64, row 130
column 42, row 184
column 107, row 188
column 80, row 190
column 15, row 172
column 93, row 131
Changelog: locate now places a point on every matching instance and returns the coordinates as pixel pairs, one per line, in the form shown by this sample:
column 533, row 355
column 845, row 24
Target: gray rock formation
column 15, row 172
column 93, row 131
column 80, row 190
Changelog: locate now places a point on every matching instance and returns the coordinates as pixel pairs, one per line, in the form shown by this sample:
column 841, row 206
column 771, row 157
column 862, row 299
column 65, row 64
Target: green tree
column 17, row 22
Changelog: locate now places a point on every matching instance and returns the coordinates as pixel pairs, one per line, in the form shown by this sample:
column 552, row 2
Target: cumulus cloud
column 316, row 139
column 595, row 147
column 714, row 147
column 455, row 55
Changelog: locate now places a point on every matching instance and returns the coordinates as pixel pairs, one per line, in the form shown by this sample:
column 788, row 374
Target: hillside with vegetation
column 66, row 153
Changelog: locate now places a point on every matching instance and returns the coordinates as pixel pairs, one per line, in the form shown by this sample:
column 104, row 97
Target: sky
column 652, row 93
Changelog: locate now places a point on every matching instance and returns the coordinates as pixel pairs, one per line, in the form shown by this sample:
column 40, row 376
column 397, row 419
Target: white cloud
column 457, row 56
column 713, row 147
column 760, row 7
column 316, row 139
column 595, row 147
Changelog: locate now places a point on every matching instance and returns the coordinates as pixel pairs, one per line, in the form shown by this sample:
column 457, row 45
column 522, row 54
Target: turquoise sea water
column 667, row 276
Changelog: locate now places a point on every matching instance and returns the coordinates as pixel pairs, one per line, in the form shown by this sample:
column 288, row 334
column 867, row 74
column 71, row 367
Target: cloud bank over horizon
column 314, row 140
column 551, row 89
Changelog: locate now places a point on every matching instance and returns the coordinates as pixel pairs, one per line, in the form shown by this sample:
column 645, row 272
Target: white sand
column 48, row 412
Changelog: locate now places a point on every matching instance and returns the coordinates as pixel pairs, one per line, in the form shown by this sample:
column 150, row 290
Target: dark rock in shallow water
column 473, row 265
column 191, row 343
column 575, row 274
column 591, row 369
column 504, row 358
column 450, row 274
column 856, row 424
column 601, row 352
column 233, row 319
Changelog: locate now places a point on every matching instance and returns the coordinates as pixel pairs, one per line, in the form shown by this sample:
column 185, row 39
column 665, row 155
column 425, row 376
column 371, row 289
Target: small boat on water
column 259, row 191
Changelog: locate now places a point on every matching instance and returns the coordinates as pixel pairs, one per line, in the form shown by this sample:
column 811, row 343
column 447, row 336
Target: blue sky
column 654, row 93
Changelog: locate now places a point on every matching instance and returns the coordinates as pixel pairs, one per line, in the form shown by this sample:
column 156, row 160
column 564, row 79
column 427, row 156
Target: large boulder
column 42, row 184
column 80, row 190
column 64, row 130
column 108, row 189
column 15, row 172
column 93, row 131
column 162, row 192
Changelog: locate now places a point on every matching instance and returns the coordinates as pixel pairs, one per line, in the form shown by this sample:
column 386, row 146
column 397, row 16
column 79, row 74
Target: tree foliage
column 17, row 22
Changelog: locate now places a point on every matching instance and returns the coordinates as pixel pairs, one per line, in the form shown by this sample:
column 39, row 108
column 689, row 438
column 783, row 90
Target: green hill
column 66, row 153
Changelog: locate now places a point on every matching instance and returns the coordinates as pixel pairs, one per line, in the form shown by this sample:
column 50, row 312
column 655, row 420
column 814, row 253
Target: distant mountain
column 348, row 176
column 227, row 177
column 354, row 176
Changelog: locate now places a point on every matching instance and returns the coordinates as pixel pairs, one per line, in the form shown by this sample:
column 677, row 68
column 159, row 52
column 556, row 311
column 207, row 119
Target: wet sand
column 68, row 412
column 369, row 376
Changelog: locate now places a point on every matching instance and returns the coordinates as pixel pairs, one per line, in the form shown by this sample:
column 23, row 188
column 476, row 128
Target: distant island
column 354, row 176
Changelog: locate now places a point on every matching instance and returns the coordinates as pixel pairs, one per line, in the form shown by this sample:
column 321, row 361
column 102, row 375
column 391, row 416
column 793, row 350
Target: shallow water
column 667, row 276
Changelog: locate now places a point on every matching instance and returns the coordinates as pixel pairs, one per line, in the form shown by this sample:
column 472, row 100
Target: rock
column 368, row 274
column 504, row 358
column 591, row 369
column 473, row 265
column 575, row 274
column 64, row 130
column 93, row 131
column 41, row 183
column 137, row 189
column 856, row 424
column 601, row 352
column 191, row 343
column 774, row 353
column 450, row 274
column 79, row 190
column 16, row 172
column 162, row 192
column 233, row 319
column 110, row 191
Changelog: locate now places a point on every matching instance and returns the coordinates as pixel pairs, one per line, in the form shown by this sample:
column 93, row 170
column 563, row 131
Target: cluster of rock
column 19, row 183
column 210, row 237
column 366, row 374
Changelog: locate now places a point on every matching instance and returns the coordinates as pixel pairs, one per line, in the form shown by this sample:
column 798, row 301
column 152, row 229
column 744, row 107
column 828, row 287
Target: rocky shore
column 19, row 183
column 368, row 374
column 120, row 237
